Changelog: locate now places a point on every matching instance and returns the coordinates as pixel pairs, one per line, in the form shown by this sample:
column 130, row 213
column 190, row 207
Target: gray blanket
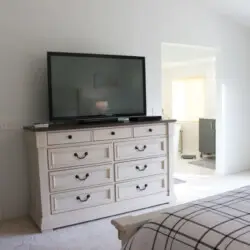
column 218, row 222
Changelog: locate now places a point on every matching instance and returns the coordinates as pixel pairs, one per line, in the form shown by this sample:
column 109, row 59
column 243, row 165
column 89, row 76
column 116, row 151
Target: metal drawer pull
column 82, row 179
column 142, row 189
column 81, row 157
column 86, row 199
column 141, row 169
column 150, row 130
column 69, row 137
column 141, row 149
column 112, row 133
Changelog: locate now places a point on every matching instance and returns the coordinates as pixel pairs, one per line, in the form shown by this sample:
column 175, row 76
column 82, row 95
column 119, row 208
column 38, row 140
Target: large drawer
column 81, row 199
column 140, row 148
column 56, row 138
column 141, row 187
column 150, row 130
column 81, row 177
column 112, row 134
column 143, row 168
column 77, row 156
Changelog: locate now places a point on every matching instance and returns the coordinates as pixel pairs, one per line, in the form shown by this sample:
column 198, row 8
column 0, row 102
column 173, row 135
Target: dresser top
column 58, row 127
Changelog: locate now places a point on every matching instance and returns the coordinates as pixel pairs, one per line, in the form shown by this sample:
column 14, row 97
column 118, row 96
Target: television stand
column 80, row 173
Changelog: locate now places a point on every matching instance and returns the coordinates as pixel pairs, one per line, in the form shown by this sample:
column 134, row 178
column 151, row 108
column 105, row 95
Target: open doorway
column 189, row 96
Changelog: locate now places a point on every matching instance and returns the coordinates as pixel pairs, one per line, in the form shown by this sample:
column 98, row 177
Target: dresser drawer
column 137, row 169
column 77, row 156
column 112, row 134
column 55, row 138
column 140, row 148
column 81, row 177
column 150, row 130
column 81, row 199
column 141, row 187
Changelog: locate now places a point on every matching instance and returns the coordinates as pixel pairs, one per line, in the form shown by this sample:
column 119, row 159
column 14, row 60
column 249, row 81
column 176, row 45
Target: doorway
column 189, row 96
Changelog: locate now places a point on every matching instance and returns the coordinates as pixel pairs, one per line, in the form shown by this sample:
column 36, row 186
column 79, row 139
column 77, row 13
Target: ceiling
column 239, row 10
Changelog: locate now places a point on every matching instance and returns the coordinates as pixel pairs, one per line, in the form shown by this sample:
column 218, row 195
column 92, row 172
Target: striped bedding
column 217, row 222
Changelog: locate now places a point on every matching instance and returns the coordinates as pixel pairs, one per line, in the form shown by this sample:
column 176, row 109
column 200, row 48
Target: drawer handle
column 141, row 169
column 142, row 189
column 69, row 137
column 81, row 157
column 150, row 130
column 82, row 179
column 112, row 133
column 86, row 199
column 141, row 149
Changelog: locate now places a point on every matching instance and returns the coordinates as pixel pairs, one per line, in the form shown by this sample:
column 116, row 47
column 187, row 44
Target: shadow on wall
column 14, row 191
column 13, row 174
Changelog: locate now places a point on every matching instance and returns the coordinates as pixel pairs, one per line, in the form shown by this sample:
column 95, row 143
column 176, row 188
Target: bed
column 217, row 222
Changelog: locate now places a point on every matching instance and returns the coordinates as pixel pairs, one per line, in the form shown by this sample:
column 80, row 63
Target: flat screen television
column 83, row 86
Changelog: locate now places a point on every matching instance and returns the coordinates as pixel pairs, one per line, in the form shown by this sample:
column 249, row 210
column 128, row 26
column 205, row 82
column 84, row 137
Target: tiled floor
column 21, row 234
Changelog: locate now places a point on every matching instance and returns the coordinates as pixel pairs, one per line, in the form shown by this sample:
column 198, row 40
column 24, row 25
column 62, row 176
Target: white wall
column 29, row 28
column 203, row 68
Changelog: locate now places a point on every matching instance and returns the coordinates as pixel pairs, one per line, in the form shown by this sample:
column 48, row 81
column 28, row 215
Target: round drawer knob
column 112, row 133
column 70, row 137
column 150, row 130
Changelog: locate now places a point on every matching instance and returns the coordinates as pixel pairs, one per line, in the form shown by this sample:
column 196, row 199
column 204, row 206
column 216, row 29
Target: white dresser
column 87, row 172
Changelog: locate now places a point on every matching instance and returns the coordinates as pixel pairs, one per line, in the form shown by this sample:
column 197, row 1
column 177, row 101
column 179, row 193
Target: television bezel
column 51, row 115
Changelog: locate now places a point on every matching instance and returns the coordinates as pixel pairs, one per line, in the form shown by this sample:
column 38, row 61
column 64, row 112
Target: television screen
column 89, row 85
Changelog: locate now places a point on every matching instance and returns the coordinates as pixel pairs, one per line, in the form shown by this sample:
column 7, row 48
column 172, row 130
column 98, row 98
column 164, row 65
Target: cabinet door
column 207, row 136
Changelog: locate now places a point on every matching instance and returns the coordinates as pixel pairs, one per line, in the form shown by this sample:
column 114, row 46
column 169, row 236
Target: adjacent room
column 189, row 96
column 124, row 124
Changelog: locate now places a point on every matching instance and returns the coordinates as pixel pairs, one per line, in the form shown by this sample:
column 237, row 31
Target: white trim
column 189, row 62
column 189, row 46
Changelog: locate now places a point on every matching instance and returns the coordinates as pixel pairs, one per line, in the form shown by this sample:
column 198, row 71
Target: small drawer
column 140, row 148
column 81, row 199
column 81, row 177
column 112, row 134
column 138, row 169
column 56, row 138
column 77, row 156
column 141, row 187
column 150, row 130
